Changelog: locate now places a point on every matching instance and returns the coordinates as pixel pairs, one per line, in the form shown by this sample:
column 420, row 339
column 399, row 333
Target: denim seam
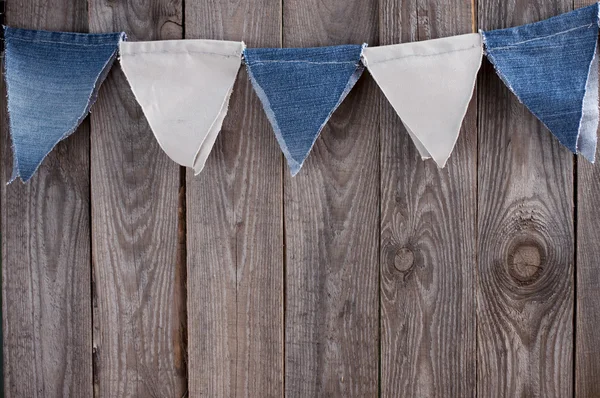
column 61, row 42
column 420, row 55
column 587, row 26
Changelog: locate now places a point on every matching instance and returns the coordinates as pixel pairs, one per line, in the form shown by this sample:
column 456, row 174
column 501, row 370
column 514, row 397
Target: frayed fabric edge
column 587, row 134
column 266, row 104
column 92, row 98
column 293, row 164
column 492, row 60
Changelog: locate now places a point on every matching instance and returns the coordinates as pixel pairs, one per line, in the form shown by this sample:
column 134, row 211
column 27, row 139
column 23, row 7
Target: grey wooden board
column 331, row 223
column 428, row 234
column 587, row 317
column 525, row 220
column 135, row 196
column 234, row 234
column 47, row 314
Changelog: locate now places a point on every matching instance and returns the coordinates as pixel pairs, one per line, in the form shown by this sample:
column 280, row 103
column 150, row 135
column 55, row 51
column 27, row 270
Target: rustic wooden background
column 370, row 273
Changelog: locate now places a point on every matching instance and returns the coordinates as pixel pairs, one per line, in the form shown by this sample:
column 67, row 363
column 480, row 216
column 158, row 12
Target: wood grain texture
column 428, row 234
column 135, row 187
column 525, row 222
column 587, row 342
column 331, row 223
column 587, row 339
column 46, row 248
column 234, row 218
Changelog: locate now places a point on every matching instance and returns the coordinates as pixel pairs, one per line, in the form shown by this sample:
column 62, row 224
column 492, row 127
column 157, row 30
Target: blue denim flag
column 551, row 67
column 52, row 80
column 300, row 88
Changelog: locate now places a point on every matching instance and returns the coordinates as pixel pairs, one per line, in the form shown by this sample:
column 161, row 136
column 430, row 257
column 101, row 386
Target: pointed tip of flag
column 294, row 167
column 589, row 157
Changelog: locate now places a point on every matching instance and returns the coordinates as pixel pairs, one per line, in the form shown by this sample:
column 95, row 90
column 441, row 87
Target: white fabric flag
column 429, row 84
column 183, row 87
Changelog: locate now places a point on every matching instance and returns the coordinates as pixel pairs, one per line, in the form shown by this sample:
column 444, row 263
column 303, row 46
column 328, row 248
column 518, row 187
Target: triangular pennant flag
column 551, row 67
column 52, row 80
column 300, row 88
column 429, row 84
column 183, row 87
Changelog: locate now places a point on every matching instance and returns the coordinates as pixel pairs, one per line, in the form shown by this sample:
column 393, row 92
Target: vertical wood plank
column 332, row 223
column 46, row 247
column 525, row 227
column 137, row 325
column 234, row 218
column 587, row 339
column 428, row 234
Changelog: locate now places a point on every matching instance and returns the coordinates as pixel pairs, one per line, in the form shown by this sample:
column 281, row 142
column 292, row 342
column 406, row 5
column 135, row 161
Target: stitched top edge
column 303, row 62
column 193, row 46
column 183, row 52
column 422, row 55
column 74, row 38
column 116, row 43
column 517, row 44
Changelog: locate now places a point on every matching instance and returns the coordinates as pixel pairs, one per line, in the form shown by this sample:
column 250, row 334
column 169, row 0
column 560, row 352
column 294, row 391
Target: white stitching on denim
column 62, row 42
column 542, row 37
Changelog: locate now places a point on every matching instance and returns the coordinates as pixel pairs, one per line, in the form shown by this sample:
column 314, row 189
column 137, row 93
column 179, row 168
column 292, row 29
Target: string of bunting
column 184, row 86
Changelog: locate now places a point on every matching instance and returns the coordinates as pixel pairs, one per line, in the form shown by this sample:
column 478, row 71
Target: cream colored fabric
column 429, row 84
column 183, row 87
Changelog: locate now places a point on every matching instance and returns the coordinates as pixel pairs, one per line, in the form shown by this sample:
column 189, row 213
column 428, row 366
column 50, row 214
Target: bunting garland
column 184, row 86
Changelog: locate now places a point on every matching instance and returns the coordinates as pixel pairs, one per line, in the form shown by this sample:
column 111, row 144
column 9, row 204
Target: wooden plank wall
column 587, row 292
column 371, row 273
column 137, row 346
column 525, row 265
column 428, row 235
column 46, row 226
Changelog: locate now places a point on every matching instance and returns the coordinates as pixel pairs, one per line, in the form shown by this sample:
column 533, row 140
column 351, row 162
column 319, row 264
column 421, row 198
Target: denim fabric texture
column 300, row 88
column 52, row 81
column 551, row 67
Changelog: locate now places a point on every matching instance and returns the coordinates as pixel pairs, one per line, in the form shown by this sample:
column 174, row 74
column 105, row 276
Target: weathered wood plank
column 46, row 248
column 331, row 223
column 525, row 227
column 428, row 234
column 135, row 187
column 234, row 218
column 587, row 340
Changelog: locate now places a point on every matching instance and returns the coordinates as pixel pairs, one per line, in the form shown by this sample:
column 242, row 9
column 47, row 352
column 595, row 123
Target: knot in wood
column 404, row 259
column 525, row 263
